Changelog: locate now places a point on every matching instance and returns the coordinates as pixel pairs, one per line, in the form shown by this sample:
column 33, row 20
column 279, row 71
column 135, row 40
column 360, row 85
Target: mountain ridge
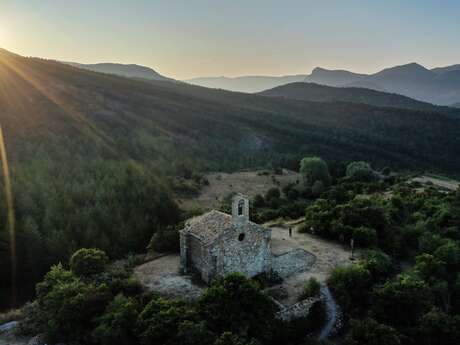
column 439, row 85
column 52, row 110
column 322, row 93
column 122, row 70
column 249, row 84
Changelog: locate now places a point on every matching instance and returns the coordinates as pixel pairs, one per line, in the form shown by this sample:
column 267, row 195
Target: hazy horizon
column 208, row 39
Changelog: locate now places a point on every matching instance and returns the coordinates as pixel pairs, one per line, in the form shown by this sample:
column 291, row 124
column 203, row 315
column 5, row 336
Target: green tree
column 117, row 324
column 318, row 188
column 69, row 305
column 450, row 254
column 378, row 263
column 438, row 328
column 350, row 285
column 236, row 304
column 365, row 237
column 360, row 171
column 88, row 261
column 370, row 332
column 401, row 302
column 315, row 169
column 159, row 322
column 193, row 333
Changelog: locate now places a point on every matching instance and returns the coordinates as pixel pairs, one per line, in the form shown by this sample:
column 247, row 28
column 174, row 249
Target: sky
column 189, row 38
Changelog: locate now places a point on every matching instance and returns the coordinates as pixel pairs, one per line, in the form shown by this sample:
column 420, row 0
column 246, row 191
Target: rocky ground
column 162, row 275
column 327, row 256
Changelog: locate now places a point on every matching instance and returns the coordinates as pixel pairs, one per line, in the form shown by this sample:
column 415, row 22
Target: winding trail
column 331, row 311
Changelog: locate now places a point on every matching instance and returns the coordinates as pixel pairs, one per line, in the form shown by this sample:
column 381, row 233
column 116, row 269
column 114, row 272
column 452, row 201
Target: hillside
column 438, row 86
column 56, row 105
column 321, row 93
column 94, row 157
column 129, row 71
column 247, row 84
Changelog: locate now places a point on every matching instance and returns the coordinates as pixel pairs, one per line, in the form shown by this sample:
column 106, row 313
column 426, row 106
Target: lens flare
column 10, row 215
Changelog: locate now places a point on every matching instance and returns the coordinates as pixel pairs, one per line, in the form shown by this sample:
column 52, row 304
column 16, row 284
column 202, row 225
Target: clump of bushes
column 79, row 304
column 118, row 322
column 360, row 171
column 311, row 289
column 364, row 236
column 88, row 261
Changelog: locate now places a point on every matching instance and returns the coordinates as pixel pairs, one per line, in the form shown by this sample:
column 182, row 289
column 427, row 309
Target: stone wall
column 245, row 249
column 298, row 310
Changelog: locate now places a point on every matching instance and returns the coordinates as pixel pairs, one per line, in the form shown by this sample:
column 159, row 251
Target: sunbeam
column 10, row 214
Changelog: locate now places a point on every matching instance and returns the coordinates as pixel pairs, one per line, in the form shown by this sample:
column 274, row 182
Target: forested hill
column 322, row 93
column 93, row 156
column 53, row 107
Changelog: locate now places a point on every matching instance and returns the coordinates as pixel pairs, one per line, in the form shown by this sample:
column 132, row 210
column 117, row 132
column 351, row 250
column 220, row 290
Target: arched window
column 240, row 207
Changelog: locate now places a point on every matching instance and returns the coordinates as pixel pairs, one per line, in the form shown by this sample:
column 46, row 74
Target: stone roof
column 210, row 225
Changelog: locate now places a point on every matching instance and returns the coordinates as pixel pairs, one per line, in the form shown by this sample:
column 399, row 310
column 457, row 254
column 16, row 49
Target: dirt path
column 332, row 314
column 444, row 183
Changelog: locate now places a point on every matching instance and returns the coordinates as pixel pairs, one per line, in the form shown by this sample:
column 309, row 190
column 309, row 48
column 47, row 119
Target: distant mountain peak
column 412, row 68
column 123, row 70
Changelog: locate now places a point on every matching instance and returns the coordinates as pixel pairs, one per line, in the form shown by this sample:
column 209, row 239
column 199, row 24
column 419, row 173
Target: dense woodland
column 405, row 286
column 402, row 289
column 95, row 160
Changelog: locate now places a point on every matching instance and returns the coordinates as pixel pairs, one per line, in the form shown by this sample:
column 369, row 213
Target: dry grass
column 437, row 181
column 249, row 183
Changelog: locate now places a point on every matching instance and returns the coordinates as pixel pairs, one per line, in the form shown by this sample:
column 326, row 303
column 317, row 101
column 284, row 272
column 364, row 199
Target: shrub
column 227, row 338
column 165, row 240
column 311, row 289
column 315, row 169
column 159, row 321
column 360, row 171
column 236, row 304
column 192, row 333
column 400, row 303
column 68, row 305
column 378, row 263
column 365, row 237
column 88, row 261
column 370, row 332
column 350, row 285
column 272, row 193
column 30, row 324
column 438, row 328
column 258, row 201
column 117, row 324
column 318, row 188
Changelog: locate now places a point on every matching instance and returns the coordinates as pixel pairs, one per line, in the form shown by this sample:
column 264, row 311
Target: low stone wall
column 298, row 310
column 293, row 262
